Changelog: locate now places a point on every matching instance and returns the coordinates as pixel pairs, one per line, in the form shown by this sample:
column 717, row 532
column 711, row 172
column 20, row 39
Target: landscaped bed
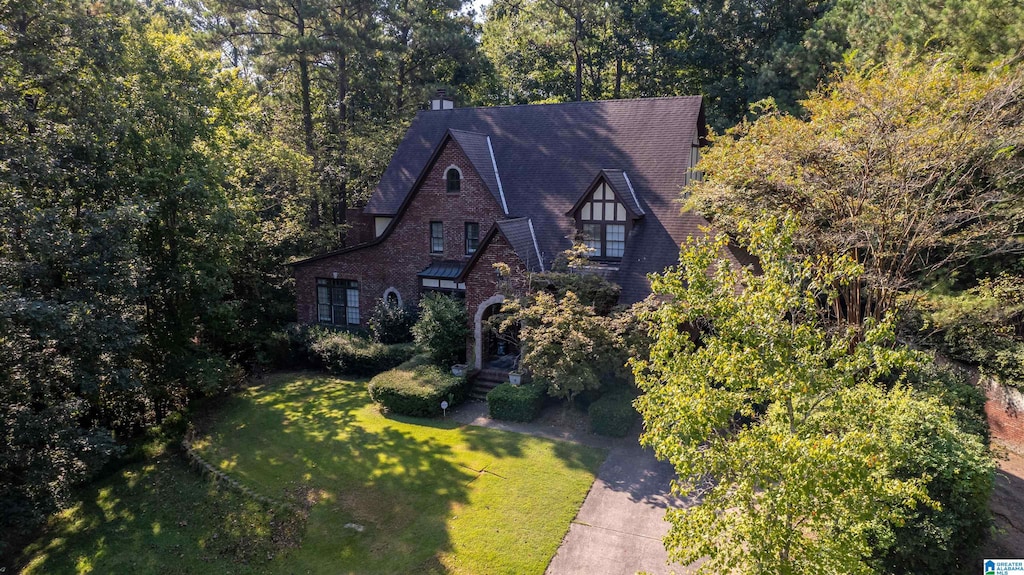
column 384, row 495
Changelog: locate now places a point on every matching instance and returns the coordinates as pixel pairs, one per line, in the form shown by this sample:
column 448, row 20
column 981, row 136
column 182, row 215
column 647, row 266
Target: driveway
column 619, row 528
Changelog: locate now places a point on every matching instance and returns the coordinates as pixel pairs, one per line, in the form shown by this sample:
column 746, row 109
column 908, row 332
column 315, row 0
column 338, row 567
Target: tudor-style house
column 469, row 187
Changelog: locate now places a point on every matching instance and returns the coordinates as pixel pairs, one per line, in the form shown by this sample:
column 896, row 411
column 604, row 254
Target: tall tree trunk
column 578, row 17
column 341, row 198
column 618, row 77
column 307, row 112
column 403, row 37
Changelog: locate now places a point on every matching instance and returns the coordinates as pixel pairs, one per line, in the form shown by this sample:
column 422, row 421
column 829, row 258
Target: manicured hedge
column 350, row 354
column 612, row 415
column 417, row 388
column 516, row 403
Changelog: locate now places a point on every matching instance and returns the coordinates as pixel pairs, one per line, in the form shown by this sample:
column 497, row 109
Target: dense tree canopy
column 338, row 80
column 131, row 256
column 160, row 161
column 734, row 53
column 909, row 168
column 797, row 457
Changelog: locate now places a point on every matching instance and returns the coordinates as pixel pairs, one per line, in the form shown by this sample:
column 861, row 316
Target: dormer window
column 603, row 221
column 453, row 180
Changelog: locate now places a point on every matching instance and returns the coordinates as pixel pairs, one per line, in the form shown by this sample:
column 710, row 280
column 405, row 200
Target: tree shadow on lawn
column 316, row 440
column 160, row 518
column 497, row 442
column 501, row 444
column 305, row 440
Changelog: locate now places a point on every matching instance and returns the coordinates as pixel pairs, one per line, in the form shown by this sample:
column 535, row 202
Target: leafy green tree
column 133, row 271
column 974, row 33
column 795, row 457
column 736, row 53
column 564, row 343
column 570, row 335
column 982, row 326
column 909, row 168
column 442, row 329
column 557, row 50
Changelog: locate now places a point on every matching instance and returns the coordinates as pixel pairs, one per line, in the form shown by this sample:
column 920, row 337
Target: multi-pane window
column 453, row 180
column 603, row 223
column 472, row 237
column 592, row 234
column 436, row 237
column 615, row 240
column 337, row 301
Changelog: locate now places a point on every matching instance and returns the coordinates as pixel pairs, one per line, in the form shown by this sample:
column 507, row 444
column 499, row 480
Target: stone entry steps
column 484, row 380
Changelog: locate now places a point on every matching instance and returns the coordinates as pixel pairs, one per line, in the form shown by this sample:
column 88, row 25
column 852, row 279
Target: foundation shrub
column 391, row 323
column 417, row 388
column 351, row 354
column 516, row 402
column 612, row 415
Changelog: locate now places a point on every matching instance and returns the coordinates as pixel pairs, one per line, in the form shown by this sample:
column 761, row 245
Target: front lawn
column 428, row 496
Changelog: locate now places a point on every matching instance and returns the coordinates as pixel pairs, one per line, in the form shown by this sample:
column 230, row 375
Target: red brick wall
column 482, row 282
column 396, row 261
column 1005, row 411
column 361, row 230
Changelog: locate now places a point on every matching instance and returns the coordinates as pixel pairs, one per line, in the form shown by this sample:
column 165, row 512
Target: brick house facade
column 471, row 187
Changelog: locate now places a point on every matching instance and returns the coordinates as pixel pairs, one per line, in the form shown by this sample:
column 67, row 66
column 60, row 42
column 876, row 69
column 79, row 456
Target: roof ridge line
column 536, row 246
column 633, row 193
column 494, row 162
column 467, row 132
column 571, row 103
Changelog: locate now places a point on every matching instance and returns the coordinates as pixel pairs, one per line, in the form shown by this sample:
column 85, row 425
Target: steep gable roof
column 477, row 148
column 521, row 236
column 545, row 156
column 621, row 187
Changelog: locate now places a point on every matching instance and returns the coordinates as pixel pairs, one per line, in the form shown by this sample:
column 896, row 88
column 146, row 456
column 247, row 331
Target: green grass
column 432, row 496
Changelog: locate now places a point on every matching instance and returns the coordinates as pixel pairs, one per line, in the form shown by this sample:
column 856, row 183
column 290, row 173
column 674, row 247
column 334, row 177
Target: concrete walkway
column 619, row 528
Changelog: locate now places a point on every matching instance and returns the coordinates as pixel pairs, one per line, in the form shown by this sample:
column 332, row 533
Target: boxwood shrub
column 516, row 402
column 612, row 415
column 351, row 354
column 417, row 388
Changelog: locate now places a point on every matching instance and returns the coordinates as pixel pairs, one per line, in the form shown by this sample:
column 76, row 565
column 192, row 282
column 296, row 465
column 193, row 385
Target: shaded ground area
column 381, row 495
column 1007, row 503
column 619, row 529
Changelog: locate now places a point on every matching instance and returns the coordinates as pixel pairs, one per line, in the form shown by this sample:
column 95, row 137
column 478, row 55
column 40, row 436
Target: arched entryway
column 497, row 351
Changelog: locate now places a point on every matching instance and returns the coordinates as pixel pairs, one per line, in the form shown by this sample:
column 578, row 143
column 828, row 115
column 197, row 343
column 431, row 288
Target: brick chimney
column 441, row 101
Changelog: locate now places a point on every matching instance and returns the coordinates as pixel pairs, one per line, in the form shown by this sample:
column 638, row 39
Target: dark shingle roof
column 623, row 187
column 547, row 155
column 478, row 150
column 520, row 233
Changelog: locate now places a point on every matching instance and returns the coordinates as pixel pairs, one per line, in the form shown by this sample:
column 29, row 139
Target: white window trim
column 444, row 173
column 393, row 290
